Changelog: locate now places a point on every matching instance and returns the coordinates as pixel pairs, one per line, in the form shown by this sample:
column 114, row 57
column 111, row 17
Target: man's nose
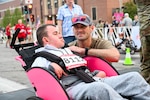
column 79, row 28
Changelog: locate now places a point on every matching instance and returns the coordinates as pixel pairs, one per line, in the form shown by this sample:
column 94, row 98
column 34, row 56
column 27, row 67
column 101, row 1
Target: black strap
column 14, row 37
column 84, row 76
column 51, row 57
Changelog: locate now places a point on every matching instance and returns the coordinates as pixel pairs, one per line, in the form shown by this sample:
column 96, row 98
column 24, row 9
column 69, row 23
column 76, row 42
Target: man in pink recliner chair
column 130, row 84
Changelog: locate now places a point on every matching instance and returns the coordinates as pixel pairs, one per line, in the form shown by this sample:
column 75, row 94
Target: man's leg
column 130, row 84
column 144, row 18
column 145, row 66
column 93, row 91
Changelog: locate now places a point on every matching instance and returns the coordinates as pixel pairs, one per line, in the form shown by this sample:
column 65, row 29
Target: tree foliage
column 6, row 18
column 131, row 8
column 11, row 17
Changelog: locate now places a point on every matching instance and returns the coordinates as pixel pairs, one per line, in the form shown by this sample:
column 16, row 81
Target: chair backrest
column 94, row 63
column 27, row 54
column 46, row 85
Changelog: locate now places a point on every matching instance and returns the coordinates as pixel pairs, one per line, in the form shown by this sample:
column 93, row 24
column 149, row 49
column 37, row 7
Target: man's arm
column 60, row 25
column 58, row 70
column 111, row 54
column 43, row 62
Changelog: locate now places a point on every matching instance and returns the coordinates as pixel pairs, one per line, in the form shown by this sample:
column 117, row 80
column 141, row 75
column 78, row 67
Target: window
column 49, row 4
column 56, row 3
column 94, row 13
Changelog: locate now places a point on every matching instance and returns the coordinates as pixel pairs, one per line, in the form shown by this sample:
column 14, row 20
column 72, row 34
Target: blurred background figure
column 136, row 21
column 118, row 15
column 2, row 35
column 22, row 34
column 8, row 33
column 29, row 33
column 127, row 22
column 38, row 22
column 115, row 22
column 100, row 24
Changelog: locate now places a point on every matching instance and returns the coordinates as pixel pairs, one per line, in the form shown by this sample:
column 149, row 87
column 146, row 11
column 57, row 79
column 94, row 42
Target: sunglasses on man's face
column 81, row 18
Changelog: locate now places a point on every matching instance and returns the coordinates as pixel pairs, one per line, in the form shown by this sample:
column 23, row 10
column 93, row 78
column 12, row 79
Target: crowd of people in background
column 125, row 20
column 24, row 36
column 119, row 20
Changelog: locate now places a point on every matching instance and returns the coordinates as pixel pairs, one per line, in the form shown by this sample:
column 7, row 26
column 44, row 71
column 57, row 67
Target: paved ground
column 13, row 77
column 10, row 69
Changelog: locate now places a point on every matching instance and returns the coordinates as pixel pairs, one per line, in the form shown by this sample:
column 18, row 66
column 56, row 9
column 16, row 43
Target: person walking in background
column 29, row 33
column 144, row 18
column 136, row 21
column 100, row 24
column 118, row 15
column 22, row 34
column 127, row 22
column 114, row 22
column 65, row 13
column 8, row 33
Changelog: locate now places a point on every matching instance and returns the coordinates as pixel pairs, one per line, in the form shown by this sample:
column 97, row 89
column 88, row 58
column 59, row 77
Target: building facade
column 47, row 9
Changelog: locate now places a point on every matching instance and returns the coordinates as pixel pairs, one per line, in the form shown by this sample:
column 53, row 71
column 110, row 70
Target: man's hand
column 58, row 70
column 77, row 49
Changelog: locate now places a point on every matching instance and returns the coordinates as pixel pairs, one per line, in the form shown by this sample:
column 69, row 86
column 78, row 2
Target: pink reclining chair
column 48, row 87
column 95, row 63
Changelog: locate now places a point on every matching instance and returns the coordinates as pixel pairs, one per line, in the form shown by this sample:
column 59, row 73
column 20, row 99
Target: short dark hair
column 41, row 32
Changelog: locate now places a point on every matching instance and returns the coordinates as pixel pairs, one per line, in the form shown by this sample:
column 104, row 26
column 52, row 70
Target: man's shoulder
column 73, row 43
column 98, row 39
column 99, row 42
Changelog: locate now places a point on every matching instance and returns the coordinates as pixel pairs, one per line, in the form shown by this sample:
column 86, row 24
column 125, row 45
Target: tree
column 11, row 17
column 131, row 8
column 16, row 15
column 6, row 19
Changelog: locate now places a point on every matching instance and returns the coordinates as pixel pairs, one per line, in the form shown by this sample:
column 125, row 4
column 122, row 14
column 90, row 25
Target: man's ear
column 45, row 40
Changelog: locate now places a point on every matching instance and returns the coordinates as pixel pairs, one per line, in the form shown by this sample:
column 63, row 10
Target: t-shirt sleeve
column 103, row 44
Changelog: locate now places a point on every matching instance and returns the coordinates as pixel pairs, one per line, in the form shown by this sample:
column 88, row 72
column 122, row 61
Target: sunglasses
column 81, row 18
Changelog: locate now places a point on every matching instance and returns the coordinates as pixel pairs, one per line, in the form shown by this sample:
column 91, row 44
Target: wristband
column 86, row 51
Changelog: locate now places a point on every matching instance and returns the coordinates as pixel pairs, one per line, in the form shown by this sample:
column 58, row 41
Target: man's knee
column 96, row 90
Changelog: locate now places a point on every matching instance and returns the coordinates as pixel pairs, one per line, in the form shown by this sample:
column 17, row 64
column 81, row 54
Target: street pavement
column 13, row 77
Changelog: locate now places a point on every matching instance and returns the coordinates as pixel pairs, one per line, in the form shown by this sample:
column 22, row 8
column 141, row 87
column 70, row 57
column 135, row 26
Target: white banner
column 136, row 36
column 114, row 35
